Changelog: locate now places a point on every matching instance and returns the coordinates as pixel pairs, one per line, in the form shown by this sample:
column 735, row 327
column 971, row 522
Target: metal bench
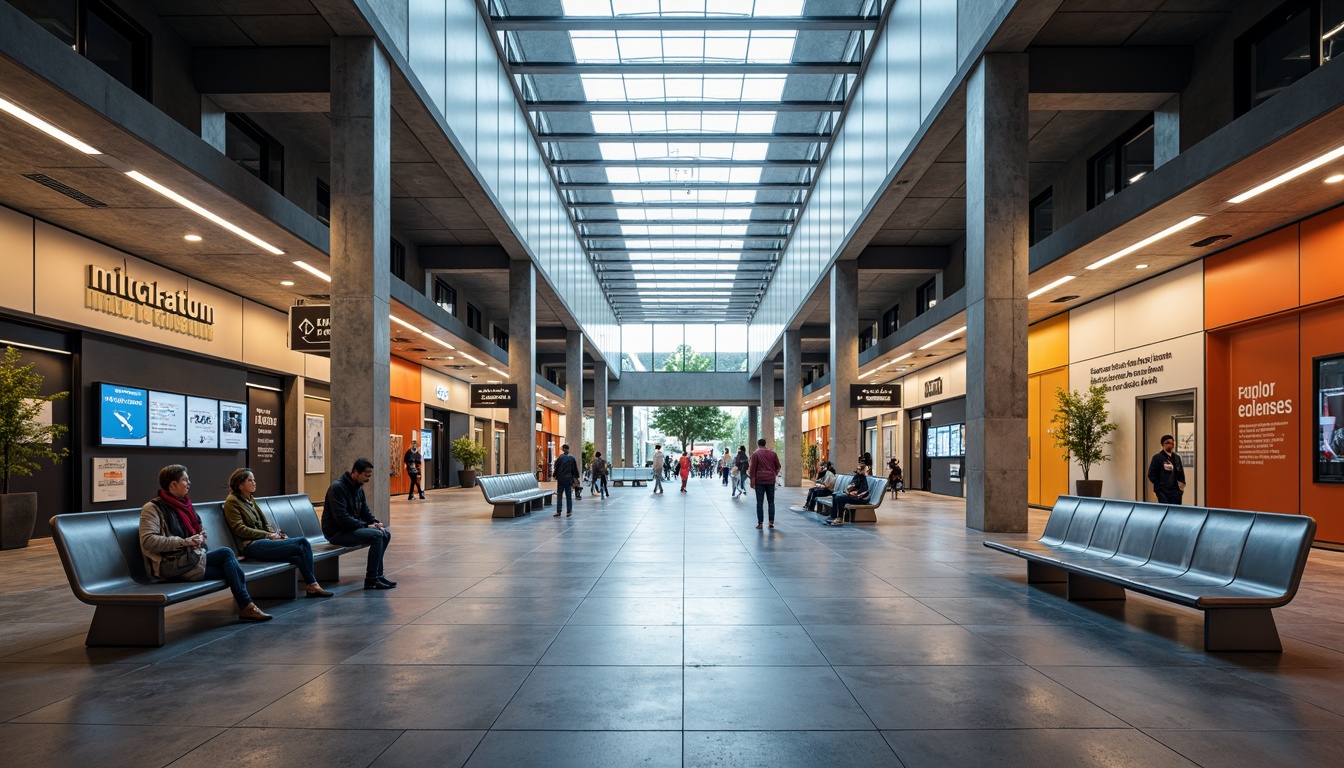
column 514, row 494
column 632, row 475
column 1234, row 565
column 106, row 569
column 858, row 513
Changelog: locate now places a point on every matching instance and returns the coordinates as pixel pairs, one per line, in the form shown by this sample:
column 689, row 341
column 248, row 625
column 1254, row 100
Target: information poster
column 232, row 425
column 202, row 422
column 109, row 479
column 266, row 441
column 124, row 415
column 314, row 447
column 427, row 444
column 957, row 431
column 167, row 420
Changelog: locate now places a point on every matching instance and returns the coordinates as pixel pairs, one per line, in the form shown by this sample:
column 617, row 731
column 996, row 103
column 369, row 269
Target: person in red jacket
column 762, row 470
column 685, row 470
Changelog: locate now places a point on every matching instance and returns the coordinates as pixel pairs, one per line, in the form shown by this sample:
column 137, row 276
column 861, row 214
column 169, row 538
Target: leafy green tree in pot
column 467, row 453
column 24, row 441
column 1082, row 430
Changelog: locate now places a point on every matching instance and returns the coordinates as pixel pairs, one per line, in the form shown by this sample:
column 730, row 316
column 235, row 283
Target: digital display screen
column 232, row 425
column 1329, row 375
column 123, row 415
column 202, row 422
column 167, row 420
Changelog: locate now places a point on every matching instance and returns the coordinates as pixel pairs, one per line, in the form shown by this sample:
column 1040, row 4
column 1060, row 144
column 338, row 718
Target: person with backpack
column 599, row 470
column 741, row 462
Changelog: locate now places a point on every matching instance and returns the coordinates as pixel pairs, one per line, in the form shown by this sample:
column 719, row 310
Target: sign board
column 310, row 328
column 427, row 444
column 123, row 415
column 874, row 395
column 494, row 395
column 109, row 479
column 933, row 387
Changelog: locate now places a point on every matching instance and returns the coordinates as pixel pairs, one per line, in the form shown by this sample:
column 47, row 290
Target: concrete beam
column 270, row 79
column 908, row 259
column 1109, row 70
column 463, row 258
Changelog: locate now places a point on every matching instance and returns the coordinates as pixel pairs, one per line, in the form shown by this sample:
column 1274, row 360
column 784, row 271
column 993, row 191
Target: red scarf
column 191, row 522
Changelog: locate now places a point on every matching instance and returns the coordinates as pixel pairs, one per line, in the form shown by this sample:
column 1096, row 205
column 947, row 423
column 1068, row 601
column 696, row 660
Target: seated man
column 856, row 493
column 824, row 486
column 346, row 520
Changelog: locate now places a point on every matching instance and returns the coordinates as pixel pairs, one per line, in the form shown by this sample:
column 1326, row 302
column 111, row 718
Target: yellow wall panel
column 1054, row 469
column 1048, row 344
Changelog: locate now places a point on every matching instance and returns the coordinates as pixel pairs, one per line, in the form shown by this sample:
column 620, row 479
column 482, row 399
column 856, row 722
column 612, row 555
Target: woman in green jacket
column 261, row 540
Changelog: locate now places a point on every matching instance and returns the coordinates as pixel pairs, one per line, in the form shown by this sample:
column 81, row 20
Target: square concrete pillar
column 574, row 391
column 995, row 471
column 844, row 363
column 793, row 409
column 631, row 459
column 361, row 231
column 600, row 409
column 617, row 457
column 753, row 427
column 1167, row 131
column 521, row 453
column 767, row 405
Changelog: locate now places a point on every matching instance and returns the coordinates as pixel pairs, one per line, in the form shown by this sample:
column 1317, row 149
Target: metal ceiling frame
column 684, row 106
column 682, row 23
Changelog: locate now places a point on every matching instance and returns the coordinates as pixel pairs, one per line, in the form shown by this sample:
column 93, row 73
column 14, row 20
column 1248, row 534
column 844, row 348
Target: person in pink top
column 762, row 471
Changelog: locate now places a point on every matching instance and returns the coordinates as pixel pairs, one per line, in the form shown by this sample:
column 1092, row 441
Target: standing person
column 856, row 493
column 566, row 477
column 259, row 539
column 762, row 470
column 412, row 460
column 1166, row 473
column 172, row 541
column 894, row 477
column 742, row 463
column 824, row 486
column 725, row 468
column 684, row 470
column 347, row 520
column 599, row 471
column 658, row 468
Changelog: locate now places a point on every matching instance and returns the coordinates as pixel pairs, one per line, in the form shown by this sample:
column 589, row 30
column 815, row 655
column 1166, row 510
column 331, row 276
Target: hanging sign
column 874, row 395
column 494, row 395
column 310, row 328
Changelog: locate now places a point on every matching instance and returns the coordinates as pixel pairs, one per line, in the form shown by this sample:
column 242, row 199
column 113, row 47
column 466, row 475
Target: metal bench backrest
column 1275, row 553
column 86, row 543
column 876, row 487
column 1136, row 543
column 1221, row 542
column 217, row 531
column 126, row 527
column 1110, row 527
column 280, row 514
column 1082, row 525
column 1175, row 544
column 1058, row 523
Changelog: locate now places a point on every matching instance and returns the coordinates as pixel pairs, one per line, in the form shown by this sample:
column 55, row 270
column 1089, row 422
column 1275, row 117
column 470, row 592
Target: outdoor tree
column 691, row 423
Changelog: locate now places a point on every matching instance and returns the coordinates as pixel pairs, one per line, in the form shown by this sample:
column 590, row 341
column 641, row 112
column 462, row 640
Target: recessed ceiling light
column 497, row 381
column 201, row 211
column 286, row 283
column 1049, row 287
column 47, row 128
column 1147, row 241
column 192, row 238
column 1140, row 266
column 1289, row 176
column 1338, row 177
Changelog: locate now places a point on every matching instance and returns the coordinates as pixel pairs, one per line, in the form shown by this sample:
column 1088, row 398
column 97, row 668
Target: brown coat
column 156, row 540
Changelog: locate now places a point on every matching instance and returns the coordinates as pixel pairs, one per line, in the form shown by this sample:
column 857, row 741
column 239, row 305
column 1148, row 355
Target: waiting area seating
column 1233, row 565
column 856, row 513
column 101, row 555
column 632, row 475
column 514, row 494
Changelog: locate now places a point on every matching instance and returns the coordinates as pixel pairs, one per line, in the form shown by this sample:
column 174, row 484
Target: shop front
column 935, row 414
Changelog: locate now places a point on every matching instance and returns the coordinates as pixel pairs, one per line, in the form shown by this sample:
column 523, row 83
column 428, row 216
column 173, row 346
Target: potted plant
column 469, row 455
column 811, row 456
column 1081, row 429
column 24, row 439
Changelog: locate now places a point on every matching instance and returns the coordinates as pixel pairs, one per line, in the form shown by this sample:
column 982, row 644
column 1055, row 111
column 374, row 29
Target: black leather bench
column 1235, row 566
column 101, row 555
column 514, row 494
column 858, row 513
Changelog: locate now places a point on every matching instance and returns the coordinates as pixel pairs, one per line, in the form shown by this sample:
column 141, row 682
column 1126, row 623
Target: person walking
column 413, row 461
column 658, row 468
column 894, row 477
column 1166, row 473
column 566, row 477
column 741, row 462
column 762, row 470
column 684, row 470
column 599, row 470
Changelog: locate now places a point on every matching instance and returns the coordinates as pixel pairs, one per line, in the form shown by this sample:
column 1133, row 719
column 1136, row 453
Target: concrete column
column 213, row 124
column 995, row 472
column 631, row 458
column 491, row 460
column 767, row 404
column 844, row 364
column 574, row 391
column 1167, row 131
column 294, row 437
column 753, row 426
column 793, row 409
column 522, row 441
column 600, row 409
column 617, row 438
column 361, row 216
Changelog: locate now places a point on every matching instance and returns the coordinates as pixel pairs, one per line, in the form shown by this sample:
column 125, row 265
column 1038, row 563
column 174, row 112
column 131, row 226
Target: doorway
column 920, row 474
column 1170, row 414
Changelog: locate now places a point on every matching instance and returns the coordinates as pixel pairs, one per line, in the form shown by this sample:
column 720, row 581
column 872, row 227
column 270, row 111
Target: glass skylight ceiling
column 684, row 134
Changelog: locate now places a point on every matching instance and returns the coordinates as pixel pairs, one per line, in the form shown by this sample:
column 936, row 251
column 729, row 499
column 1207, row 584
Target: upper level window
column 1123, row 162
column 891, row 320
column 500, row 338
column 1286, row 46
column 926, row 296
column 323, row 202
column 445, row 296
column 866, row 338
column 99, row 32
column 1042, row 216
column 473, row 318
column 248, row 145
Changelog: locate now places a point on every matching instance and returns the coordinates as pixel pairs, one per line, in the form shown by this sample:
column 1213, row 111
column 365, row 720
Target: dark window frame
column 323, row 206
column 1243, row 78
column 473, row 318
column 271, row 164
column 440, row 289
column 499, row 337
column 396, row 260
column 926, row 296
column 1033, row 235
column 141, row 41
column 867, row 338
column 1114, row 154
column 891, row 321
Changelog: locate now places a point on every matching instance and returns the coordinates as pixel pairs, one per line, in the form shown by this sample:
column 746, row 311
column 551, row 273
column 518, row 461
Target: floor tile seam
column 80, row 692
column 1277, row 691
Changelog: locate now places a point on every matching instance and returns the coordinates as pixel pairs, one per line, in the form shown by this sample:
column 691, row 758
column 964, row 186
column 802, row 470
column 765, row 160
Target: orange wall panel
column 406, row 420
column 1048, row 344
column 1254, row 279
column 1323, row 501
column 405, row 382
column 1323, row 257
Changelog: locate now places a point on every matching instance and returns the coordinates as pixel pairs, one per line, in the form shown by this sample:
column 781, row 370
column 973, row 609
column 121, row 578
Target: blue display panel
column 123, row 415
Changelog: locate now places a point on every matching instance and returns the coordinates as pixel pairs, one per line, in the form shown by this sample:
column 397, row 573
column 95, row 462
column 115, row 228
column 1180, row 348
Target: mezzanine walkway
column 666, row 630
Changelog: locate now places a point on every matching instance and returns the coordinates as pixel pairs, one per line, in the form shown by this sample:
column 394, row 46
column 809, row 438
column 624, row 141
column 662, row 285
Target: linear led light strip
column 886, row 364
column 472, row 359
column 941, row 339
column 1050, row 287
column 501, row 373
column 47, row 128
column 1289, row 176
column 437, row 340
column 204, row 213
column 310, row 269
column 403, row 323
column 1173, row 229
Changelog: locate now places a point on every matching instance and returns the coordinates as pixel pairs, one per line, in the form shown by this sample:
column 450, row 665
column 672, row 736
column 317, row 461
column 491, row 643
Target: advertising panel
column 123, row 415
column 494, row 395
column 232, row 425
column 427, row 444
column 167, row 420
column 1329, row 386
column 202, row 422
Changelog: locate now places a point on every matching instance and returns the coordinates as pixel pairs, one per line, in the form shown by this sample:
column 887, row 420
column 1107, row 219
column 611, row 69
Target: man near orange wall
column 1166, row 473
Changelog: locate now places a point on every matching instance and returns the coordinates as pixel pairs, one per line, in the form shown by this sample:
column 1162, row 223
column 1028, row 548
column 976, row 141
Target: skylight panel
column 684, row 88
column 595, row 46
column 748, row 150
column 650, row 122
column 635, row 45
column 624, row 175
column 611, row 122
column 684, row 46
column 684, row 7
column 726, row 46
column 778, row 8
column 645, row 87
column 586, row 7
column 617, row 150
column 723, row 87
column 763, row 87
column 756, row 122
column 775, row 46
column 741, row 175
column 635, row 7
column 603, row 88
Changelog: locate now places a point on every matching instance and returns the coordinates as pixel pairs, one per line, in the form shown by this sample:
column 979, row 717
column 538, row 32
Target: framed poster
column 202, row 422
column 1328, row 455
column 314, row 445
column 109, row 479
column 395, row 453
column 427, row 444
column 1183, row 429
column 167, row 420
column 232, row 425
column 957, row 431
column 123, row 415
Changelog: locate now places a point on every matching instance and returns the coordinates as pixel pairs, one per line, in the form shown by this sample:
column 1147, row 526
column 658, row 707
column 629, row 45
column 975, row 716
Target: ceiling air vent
column 421, row 349
column 1063, row 300
column 319, row 296
column 64, row 189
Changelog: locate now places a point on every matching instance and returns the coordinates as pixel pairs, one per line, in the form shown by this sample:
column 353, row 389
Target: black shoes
column 379, row 583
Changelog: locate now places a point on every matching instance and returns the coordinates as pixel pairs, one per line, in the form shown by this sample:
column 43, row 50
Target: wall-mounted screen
column 123, row 415
column 202, row 422
column 427, row 444
column 232, row 425
column 958, row 439
column 1329, row 380
column 947, row 442
column 167, row 420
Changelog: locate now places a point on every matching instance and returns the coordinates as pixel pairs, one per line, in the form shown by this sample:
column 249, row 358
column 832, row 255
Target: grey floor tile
column 728, row 586
column 759, row 645
column 356, row 608
column 775, row 749
column 770, row 699
column 506, row 644
column 396, row 696
column 430, row 749
column 900, row 645
column 502, row 610
column 999, row 609
column 424, row 587
column 857, row 584
column 25, row 687
column 738, row 610
column 629, row 611
column 958, row 586
column 1085, row 645
column 272, row 643
column 1321, row 687
column 106, row 746
column 634, row 586
column 863, row 610
column 530, row 586
column 618, row 645
column 578, row 749
column 1060, row 748
column 292, row 748
column 596, row 699
column 1255, row 749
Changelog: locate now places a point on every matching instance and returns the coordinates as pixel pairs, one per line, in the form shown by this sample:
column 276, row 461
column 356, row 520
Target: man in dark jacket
column 413, row 462
column 566, row 475
column 856, row 493
column 1166, row 473
column 347, row 520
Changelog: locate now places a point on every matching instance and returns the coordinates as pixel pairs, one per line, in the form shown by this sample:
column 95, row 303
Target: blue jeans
column 222, row 564
column 815, row 494
column 765, row 491
column 838, row 503
column 658, row 481
column 377, row 541
column 564, row 492
column 296, row 551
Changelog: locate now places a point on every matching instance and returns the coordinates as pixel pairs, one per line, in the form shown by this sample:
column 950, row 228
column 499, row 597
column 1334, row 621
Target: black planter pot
column 467, row 477
column 18, row 515
column 1088, row 488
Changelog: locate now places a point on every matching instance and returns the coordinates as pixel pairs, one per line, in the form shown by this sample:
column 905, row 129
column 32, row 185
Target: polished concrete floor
column 668, row 631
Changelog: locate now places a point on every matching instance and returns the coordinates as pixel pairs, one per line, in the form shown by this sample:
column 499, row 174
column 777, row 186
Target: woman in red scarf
column 685, row 470
column 172, row 541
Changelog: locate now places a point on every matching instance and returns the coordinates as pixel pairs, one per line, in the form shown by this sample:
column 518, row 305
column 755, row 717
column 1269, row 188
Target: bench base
column 138, row 626
column 1040, row 573
column 327, row 570
column 1241, row 629
column 513, row 510
column 278, row 586
column 1082, row 587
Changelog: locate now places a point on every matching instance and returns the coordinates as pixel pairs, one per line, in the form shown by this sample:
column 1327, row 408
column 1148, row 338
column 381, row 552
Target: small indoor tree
column 25, row 440
column 1082, row 430
column 469, row 455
